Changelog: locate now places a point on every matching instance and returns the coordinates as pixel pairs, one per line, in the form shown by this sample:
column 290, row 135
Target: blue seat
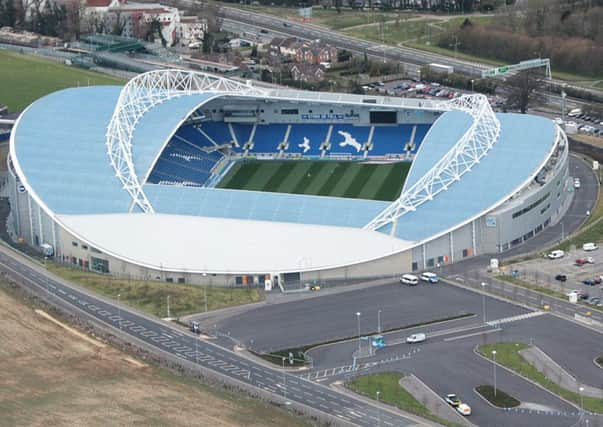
column 268, row 137
column 315, row 133
column 359, row 135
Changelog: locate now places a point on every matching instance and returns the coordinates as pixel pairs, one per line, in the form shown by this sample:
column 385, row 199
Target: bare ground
column 51, row 375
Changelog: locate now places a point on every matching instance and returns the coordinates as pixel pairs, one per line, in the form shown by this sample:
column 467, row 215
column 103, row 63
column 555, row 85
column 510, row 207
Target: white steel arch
column 466, row 153
column 141, row 94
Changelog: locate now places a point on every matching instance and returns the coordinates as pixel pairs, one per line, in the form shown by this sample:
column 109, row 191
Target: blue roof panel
column 61, row 150
column 263, row 206
column 523, row 145
column 440, row 138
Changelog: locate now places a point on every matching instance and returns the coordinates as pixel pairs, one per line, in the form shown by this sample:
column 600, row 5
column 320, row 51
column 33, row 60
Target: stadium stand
column 268, row 137
column 218, row 132
column 349, row 139
column 316, row 134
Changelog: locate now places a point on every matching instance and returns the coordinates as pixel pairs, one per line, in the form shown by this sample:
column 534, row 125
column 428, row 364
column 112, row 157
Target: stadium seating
column 315, row 133
column 395, row 139
column 358, row 138
column 268, row 137
column 217, row 131
column 242, row 132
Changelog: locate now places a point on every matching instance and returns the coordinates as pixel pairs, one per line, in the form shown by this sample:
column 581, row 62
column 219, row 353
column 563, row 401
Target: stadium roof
column 59, row 150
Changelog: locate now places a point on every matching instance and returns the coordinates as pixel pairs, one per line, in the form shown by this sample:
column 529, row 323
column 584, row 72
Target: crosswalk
column 515, row 318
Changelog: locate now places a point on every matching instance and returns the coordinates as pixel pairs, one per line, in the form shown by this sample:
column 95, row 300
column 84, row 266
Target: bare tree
column 523, row 90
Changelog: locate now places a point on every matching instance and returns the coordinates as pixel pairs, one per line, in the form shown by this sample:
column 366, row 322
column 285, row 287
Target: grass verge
column 390, row 392
column 25, row 78
column 600, row 360
column 151, row 296
column 507, row 354
column 500, row 399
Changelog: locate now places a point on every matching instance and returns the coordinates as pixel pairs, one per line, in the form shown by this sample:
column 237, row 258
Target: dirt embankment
column 52, row 375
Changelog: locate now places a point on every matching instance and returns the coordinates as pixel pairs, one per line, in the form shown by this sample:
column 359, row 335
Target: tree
column 523, row 90
column 8, row 13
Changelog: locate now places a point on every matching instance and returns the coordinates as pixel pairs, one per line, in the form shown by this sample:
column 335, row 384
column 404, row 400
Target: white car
column 587, row 247
column 577, row 183
column 464, row 409
column 430, row 277
column 416, row 338
column 556, row 254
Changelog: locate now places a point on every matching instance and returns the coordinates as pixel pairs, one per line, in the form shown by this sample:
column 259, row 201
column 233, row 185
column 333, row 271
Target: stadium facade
column 122, row 180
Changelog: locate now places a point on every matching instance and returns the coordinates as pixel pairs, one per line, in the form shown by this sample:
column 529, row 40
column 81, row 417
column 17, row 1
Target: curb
column 527, row 379
column 492, row 404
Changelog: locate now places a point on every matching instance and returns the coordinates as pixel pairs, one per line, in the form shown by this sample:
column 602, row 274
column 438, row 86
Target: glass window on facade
column 100, row 265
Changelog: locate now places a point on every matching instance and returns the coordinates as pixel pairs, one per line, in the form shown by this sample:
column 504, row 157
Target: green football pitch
column 321, row 178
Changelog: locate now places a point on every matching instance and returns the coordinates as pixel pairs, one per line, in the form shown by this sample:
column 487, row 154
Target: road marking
column 489, row 331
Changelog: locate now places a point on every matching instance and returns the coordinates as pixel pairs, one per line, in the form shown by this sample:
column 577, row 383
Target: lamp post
column 581, row 389
column 562, row 230
column 379, row 321
column 284, row 378
column 472, row 86
column 378, row 410
column 205, row 290
column 168, row 306
column 484, row 301
column 359, row 342
column 119, row 314
column 494, row 369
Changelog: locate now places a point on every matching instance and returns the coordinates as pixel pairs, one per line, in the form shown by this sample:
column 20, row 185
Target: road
column 164, row 338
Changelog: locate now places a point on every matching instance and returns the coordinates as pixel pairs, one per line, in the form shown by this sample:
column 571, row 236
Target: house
column 307, row 72
column 315, row 53
column 134, row 20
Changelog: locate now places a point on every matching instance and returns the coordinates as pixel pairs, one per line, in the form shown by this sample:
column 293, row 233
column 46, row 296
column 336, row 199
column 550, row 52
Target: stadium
column 186, row 177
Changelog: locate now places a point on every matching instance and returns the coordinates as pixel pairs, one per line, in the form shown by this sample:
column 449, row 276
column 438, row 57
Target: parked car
column 416, row 338
column 561, row 277
column 587, row 260
column 464, row 409
column 594, row 301
column 577, row 183
column 429, row 277
column 589, row 282
column 590, row 247
column 409, row 279
column 452, row 399
column 556, row 254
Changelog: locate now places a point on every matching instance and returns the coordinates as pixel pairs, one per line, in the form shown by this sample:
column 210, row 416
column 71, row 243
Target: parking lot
column 547, row 272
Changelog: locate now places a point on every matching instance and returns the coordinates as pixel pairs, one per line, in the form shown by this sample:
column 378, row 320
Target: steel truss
column 140, row 95
column 466, row 153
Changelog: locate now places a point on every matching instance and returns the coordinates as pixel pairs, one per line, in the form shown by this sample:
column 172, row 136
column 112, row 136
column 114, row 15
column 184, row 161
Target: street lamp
column 562, row 230
column 205, row 289
column 472, row 87
column 494, row 369
column 379, row 321
column 284, row 378
column 359, row 342
column 119, row 314
column 581, row 389
column 168, row 306
column 484, row 301
column 378, row 410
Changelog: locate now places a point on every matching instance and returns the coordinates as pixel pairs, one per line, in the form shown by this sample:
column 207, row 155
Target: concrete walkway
column 543, row 363
column 434, row 403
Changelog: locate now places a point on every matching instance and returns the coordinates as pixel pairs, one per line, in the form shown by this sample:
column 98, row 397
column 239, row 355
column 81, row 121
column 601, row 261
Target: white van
column 556, row 254
column 409, row 279
column 590, row 247
column 416, row 338
column 429, row 277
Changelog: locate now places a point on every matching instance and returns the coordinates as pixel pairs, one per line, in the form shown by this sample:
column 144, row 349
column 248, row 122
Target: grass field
column 57, row 377
column 321, row 178
column 25, row 78
column 507, row 354
column 391, row 392
column 151, row 296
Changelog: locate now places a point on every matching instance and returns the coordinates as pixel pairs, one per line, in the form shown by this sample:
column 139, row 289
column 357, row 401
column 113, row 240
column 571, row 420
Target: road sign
column 523, row 65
